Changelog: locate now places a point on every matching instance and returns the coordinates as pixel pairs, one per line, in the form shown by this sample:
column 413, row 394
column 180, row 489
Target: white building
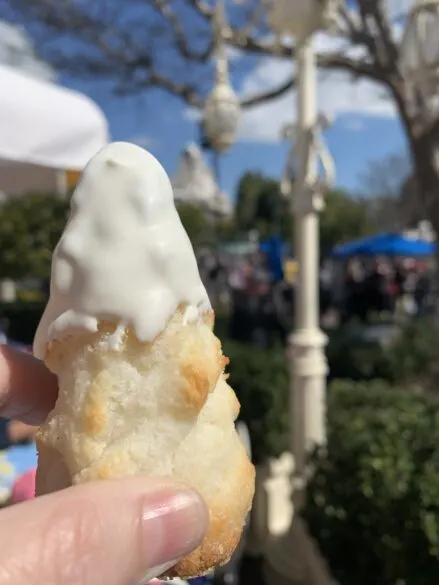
column 195, row 183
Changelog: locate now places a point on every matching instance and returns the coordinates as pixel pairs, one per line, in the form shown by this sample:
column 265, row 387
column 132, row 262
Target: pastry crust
column 162, row 408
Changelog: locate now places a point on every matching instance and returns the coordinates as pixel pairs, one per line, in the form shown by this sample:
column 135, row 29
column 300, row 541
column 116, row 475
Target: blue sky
column 365, row 128
column 365, row 123
column 159, row 122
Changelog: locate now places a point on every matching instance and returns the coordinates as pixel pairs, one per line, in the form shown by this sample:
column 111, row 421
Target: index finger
column 28, row 390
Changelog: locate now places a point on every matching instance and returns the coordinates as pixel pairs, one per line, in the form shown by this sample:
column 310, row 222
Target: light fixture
column 419, row 53
column 302, row 17
column 222, row 111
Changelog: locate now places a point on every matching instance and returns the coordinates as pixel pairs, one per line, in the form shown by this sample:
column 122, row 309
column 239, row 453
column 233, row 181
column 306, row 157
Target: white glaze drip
column 124, row 254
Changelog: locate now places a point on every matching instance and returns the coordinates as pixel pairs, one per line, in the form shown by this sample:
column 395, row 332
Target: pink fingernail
column 172, row 527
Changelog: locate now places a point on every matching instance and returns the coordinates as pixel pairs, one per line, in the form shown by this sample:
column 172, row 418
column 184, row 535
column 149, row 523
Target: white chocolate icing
column 124, row 254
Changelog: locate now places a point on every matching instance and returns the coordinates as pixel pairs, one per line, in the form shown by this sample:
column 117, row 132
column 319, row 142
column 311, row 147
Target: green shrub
column 260, row 379
column 411, row 357
column 351, row 358
column 373, row 502
column 30, row 227
column 414, row 355
column 222, row 325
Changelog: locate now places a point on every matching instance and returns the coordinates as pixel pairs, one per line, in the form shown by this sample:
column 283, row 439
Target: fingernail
column 173, row 526
column 152, row 574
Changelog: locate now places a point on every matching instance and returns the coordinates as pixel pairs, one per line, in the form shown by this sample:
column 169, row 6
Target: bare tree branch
column 358, row 67
column 202, row 8
column 389, row 50
column 182, row 43
column 269, row 95
column 163, row 49
column 139, row 45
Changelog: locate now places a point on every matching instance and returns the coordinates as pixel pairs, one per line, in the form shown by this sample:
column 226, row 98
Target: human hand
column 117, row 532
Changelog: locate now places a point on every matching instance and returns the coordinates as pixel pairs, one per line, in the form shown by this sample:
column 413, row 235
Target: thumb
column 117, row 532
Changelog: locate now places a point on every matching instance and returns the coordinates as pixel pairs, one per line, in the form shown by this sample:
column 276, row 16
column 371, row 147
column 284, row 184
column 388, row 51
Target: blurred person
column 354, row 302
column 258, row 300
column 15, row 432
column 423, row 289
column 283, row 301
column 326, row 282
column 239, row 325
column 409, row 289
column 376, row 292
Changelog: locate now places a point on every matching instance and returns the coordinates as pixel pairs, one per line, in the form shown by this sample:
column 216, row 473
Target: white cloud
column 17, row 50
column 143, row 140
column 192, row 114
column 233, row 54
column 353, row 123
column 338, row 94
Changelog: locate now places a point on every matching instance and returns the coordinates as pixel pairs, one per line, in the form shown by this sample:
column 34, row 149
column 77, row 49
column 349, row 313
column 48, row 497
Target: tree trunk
column 425, row 153
column 422, row 132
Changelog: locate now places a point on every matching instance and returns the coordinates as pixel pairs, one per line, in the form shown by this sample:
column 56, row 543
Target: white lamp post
column 290, row 559
column 301, row 18
column 419, row 52
column 222, row 111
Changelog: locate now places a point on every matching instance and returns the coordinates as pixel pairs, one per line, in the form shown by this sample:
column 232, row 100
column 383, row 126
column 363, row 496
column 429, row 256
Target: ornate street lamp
column 302, row 18
column 306, row 186
column 222, row 111
column 419, row 52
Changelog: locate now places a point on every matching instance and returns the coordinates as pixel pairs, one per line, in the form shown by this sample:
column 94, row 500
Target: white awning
column 45, row 125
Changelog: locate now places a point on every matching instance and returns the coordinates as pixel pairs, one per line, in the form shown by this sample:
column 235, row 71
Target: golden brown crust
column 95, row 413
column 155, row 408
column 210, row 554
column 226, row 524
column 55, row 350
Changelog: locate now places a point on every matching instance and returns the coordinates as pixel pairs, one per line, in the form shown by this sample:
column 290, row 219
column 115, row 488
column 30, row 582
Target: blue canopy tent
column 275, row 250
column 385, row 245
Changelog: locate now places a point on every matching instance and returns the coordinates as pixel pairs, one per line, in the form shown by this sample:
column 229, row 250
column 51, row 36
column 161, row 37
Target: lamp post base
column 294, row 559
column 307, row 395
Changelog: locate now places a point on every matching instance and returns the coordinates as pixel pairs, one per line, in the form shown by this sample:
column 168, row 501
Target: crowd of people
column 398, row 288
column 258, row 296
column 260, row 301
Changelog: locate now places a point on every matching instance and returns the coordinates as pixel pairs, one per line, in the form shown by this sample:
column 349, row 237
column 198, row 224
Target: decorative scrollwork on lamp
column 419, row 55
column 314, row 145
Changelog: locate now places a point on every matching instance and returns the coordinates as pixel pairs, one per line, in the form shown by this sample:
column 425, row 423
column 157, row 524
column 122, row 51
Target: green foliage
column 260, row 379
column 29, row 230
column 373, row 503
column 352, row 358
column 414, row 355
column 194, row 221
column 344, row 218
column 201, row 228
column 410, row 358
column 260, row 206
